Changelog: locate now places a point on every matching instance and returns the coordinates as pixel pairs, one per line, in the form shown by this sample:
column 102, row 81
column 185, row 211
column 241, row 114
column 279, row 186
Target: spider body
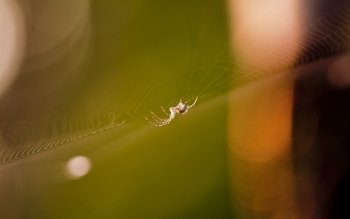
column 180, row 108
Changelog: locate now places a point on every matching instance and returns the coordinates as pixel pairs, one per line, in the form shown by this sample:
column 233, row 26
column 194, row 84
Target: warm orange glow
column 266, row 39
column 260, row 123
column 265, row 34
column 261, row 119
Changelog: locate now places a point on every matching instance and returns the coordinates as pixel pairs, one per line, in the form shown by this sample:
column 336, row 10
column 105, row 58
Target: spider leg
column 150, row 121
column 161, row 123
column 157, row 117
column 154, row 121
column 157, row 121
column 165, row 111
column 153, row 118
column 194, row 102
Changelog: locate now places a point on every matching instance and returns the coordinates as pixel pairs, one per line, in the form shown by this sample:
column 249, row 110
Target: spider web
column 120, row 72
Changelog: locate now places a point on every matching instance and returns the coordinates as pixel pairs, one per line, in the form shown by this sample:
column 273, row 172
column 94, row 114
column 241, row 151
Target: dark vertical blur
column 321, row 117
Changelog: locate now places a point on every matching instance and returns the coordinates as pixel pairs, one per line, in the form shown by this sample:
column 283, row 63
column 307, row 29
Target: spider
column 180, row 108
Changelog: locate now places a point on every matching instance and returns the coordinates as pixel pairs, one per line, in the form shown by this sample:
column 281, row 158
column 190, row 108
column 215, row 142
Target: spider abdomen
column 182, row 108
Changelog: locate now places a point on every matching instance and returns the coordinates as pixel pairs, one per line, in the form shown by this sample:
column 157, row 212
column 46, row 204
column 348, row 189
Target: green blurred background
column 89, row 93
